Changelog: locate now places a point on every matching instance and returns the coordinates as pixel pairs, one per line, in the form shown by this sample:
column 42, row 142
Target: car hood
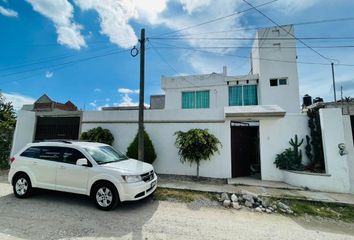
column 130, row 166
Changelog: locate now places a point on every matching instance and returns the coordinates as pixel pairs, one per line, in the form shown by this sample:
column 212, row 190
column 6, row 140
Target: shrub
column 149, row 150
column 196, row 145
column 98, row 135
column 316, row 140
column 7, row 127
column 291, row 158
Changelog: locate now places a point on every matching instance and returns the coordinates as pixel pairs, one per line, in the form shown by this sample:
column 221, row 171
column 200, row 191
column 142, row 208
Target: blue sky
column 78, row 50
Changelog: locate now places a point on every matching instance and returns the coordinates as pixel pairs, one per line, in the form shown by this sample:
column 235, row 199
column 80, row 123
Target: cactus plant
column 297, row 153
column 291, row 158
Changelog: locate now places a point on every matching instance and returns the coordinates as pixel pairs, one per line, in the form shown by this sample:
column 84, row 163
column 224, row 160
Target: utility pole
column 334, row 83
column 341, row 98
column 141, row 96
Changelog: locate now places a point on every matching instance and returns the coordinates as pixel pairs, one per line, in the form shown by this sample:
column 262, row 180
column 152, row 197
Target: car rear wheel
column 22, row 186
column 106, row 196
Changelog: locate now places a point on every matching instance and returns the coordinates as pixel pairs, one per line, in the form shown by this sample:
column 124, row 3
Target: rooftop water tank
column 307, row 100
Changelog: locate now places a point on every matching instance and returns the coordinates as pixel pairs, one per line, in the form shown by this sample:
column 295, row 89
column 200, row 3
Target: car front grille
column 147, row 177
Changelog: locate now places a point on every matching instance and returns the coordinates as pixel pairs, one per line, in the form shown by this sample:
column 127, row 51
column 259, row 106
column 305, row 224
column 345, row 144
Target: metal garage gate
column 57, row 128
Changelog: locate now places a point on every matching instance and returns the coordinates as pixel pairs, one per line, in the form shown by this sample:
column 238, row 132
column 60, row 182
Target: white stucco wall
column 24, row 131
column 332, row 135
column 336, row 178
column 275, row 134
column 283, row 66
column 350, row 148
column 161, row 126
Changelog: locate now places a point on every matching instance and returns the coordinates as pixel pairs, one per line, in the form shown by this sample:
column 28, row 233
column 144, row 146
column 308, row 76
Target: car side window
column 50, row 153
column 31, row 152
column 71, row 155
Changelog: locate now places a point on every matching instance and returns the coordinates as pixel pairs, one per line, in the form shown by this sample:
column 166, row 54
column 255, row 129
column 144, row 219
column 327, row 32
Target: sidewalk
column 291, row 193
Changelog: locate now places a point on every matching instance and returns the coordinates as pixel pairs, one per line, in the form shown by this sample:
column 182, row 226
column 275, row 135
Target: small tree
column 149, row 150
column 98, row 135
column 196, row 145
column 7, row 127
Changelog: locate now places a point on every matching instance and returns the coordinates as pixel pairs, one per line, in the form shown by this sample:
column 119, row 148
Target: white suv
column 93, row 169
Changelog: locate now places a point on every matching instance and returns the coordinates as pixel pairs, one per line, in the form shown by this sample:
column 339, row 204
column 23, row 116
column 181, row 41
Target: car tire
column 22, row 186
column 105, row 196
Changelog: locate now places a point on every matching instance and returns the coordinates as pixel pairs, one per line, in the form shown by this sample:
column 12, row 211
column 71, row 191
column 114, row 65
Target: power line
column 216, row 19
column 65, row 63
column 267, row 26
column 174, row 47
column 273, row 47
column 168, row 64
column 33, row 75
column 255, row 38
column 50, row 59
column 304, row 43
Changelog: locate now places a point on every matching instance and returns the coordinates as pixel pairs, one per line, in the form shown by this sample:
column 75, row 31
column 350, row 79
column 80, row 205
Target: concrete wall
column 332, row 135
column 161, row 126
column 338, row 168
column 275, row 134
column 283, row 66
column 350, row 148
column 24, row 132
column 215, row 83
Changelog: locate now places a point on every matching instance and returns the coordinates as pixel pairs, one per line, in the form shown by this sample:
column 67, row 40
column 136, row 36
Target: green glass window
column 202, row 99
column 243, row 95
column 235, row 96
column 188, row 100
column 195, row 99
column 250, row 95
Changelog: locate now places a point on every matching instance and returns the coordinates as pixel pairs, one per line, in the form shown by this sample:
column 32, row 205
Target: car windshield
column 105, row 154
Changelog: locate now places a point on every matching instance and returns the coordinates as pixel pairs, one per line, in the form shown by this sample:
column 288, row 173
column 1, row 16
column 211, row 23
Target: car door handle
column 35, row 163
column 62, row 167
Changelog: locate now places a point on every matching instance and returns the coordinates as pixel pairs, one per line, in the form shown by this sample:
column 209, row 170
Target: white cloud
column 61, row 13
column 99, row 108
column 293, row 6
column 114, row 16
column 128, row 91
column 18, row 100
column 194, row 5
column 97, row 90
column 49, row 74
column 8, row 12
column 127, row 101
column 203, row 11
column 93, row 104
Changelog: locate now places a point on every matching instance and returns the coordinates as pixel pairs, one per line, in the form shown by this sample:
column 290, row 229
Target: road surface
column 54, row 215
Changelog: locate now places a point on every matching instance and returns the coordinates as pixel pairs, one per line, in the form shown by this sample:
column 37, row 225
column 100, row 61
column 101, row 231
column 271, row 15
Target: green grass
column 325, row 210
column 186, row 196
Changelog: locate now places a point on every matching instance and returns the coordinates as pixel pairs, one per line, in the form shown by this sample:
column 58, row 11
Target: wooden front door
column 244, row 149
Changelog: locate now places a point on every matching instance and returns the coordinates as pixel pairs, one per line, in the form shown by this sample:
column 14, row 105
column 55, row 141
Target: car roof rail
column 57, row 140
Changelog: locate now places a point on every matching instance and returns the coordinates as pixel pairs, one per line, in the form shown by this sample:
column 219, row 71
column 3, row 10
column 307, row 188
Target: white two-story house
column 254, row 116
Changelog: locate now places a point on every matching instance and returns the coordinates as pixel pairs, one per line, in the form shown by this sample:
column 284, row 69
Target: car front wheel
column 106, row 196
column 22, row 186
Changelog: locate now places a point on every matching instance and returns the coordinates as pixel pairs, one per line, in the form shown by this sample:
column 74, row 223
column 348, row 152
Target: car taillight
column 12, row 159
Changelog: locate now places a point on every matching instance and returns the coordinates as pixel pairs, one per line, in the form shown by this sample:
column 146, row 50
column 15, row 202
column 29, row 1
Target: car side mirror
column 82, row 162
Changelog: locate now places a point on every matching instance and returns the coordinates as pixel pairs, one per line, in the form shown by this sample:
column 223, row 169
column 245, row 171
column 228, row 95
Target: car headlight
column 132, row 178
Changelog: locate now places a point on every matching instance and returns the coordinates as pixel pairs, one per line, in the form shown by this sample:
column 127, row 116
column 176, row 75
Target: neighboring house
column 254, row 116
column 44, row 103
